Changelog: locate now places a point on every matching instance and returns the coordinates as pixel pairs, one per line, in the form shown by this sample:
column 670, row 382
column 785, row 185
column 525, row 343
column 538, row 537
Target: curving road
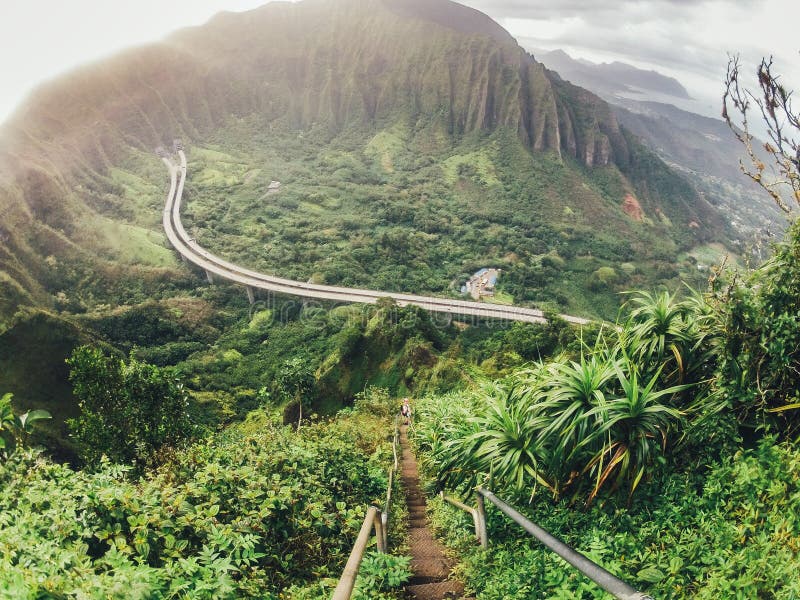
column 215, row 266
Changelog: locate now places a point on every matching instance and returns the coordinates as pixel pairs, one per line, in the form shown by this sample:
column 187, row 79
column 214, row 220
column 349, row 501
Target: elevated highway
column 216, row 267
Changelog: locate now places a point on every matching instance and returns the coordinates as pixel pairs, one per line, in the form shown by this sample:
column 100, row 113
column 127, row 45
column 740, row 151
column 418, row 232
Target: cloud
column 687, row 39
column 538, row 9
column 607, row 11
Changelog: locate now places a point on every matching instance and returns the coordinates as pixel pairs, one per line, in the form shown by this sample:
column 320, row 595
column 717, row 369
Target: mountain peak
column 442, row 75
column 451, row 15
column 339, row 63
column 612, row 77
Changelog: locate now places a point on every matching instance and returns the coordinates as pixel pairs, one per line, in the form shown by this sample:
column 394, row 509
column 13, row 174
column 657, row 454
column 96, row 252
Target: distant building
column 482, row 283
column 273, row 186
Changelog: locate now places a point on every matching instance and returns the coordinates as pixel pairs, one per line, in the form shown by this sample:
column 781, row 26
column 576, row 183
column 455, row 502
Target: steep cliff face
column 367, row 59
column 321, row 61
column 331, row 64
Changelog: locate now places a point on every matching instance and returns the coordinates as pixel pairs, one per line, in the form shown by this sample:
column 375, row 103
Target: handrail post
column 472, row 512
column 348, row 578
column 385, row 527
column 480, row 526
column 387, row 509
column 395, row 440
column 380, row 537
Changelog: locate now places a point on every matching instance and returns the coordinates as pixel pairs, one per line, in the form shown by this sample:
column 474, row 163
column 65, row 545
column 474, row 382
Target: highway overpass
column 216, row 267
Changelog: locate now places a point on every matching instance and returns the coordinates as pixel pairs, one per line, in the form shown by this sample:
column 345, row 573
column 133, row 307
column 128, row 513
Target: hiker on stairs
column 405, row 411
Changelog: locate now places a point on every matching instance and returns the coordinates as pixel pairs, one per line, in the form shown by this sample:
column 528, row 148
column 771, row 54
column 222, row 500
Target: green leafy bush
column 245, row 515
column 17, row 428
column 129, row 410
column 380, row 574
column 376, row 401
column 760, row 362
column 727, row 533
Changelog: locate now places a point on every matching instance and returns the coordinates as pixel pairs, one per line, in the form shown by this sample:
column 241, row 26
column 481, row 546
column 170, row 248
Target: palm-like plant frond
column 634, row 428
column 508, row 442
column 576, row 389
column 657, row 323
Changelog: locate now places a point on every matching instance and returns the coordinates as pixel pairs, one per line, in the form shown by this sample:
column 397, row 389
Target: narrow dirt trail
column 429, row 564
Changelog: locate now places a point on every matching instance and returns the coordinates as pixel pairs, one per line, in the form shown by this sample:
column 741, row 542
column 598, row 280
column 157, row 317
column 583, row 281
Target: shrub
column 602, row 278
column 254, row 511
column 760, row 362
column 376, row 401
column 129, row 410
column 16, row 429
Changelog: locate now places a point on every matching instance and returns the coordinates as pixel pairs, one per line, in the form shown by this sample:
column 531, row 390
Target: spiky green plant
column 657, row 327
column 509, row 442
column 632, row 431
column 575, row 389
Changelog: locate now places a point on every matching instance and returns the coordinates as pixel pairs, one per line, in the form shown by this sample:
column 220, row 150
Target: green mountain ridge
column 77, row 160
column 704, row 149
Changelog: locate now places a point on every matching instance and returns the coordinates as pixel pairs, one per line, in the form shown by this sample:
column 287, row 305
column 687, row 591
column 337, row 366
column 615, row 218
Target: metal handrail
column 388, row 506
column 480, row 524
column 611, row 583
column 375, row 518
column 396, row 441
column 348, row 579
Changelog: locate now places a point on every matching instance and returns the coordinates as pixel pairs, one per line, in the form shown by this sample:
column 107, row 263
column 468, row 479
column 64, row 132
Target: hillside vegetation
column 638, row 446
column 256, row 510
column 410, row 156
column 667, row 451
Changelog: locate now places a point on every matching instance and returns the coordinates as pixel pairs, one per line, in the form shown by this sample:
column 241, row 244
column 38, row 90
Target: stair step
column 435, row 590
column 429, row 565
column 424, row 580
column 419, row 534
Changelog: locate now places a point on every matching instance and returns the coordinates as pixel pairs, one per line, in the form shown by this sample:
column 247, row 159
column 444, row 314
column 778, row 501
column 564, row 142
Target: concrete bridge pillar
column 251, row 294
column 209, row 276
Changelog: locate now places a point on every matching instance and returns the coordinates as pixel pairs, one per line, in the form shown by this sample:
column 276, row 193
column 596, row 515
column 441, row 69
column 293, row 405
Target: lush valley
column 661, row 113
column 551, row 158
column 203, row 446
column 649, row 448
column 387, row 216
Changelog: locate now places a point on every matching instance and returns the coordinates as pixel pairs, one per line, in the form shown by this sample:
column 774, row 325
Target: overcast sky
column 687, row 39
